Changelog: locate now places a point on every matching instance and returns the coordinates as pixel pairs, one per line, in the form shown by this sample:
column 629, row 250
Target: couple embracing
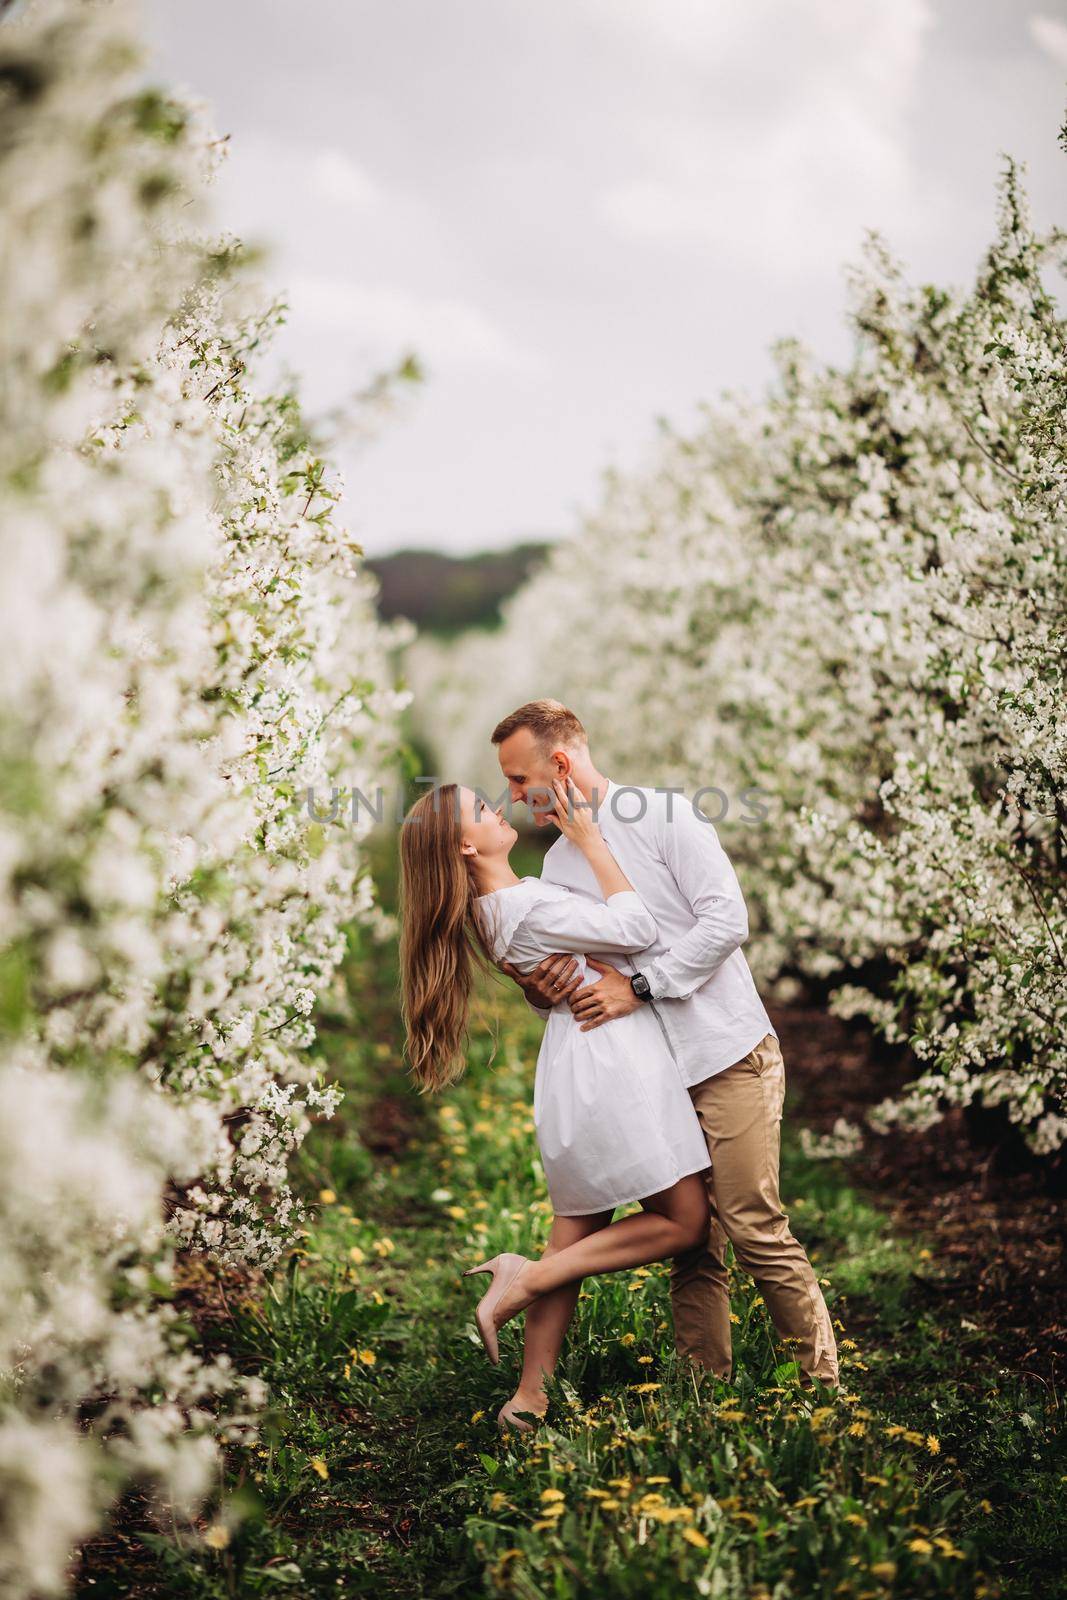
column 659, row 1078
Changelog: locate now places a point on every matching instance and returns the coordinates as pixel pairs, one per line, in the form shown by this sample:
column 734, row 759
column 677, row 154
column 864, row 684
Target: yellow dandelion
column 849, row 1344
column 921, row 1547
column 645, row 1388
column 457, row 1213
column 986, row 1507
column 357, row 1255
column 327, row 1197
column 610, row 1505
column 476, row 1416
column 552, row 1494
column 856, row 1520
column 734, row 1317
column 884, row 1569
column 317, row 1464
column 628, row 1339
column 802, row 1505
column 694, row 1537
column 858, row 1430
column 367, row 1358
column 644, row 1361
column 933, row 1444
column 657, row 1480
column 597, row 1494
column 217, row 1536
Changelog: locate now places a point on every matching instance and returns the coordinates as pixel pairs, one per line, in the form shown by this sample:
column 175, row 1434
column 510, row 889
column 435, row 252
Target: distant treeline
column 445, row 594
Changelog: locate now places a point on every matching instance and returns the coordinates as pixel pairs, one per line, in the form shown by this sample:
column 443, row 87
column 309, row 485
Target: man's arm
column 701, row 869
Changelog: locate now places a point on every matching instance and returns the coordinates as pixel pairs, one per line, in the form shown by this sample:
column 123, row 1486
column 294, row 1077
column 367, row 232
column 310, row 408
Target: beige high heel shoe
column 504, row 1269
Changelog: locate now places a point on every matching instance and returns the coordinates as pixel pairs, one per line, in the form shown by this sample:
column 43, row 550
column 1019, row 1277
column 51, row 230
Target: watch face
column 640, row 986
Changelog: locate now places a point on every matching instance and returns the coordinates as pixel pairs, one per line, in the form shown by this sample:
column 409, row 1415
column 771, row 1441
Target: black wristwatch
column 641, row 986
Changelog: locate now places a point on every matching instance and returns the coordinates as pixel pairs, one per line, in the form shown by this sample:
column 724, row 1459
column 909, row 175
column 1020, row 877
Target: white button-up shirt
column 702, row 990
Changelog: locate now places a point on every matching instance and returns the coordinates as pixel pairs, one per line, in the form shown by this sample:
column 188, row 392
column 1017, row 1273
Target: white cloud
column 337, row 179
column 1051, row 35
column 879, row 42
column 789, row 197
column 789, row 172
column 385, row 320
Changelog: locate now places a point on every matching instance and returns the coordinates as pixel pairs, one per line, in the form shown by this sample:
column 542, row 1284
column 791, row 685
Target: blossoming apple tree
column 853, row 596
column 189, row 642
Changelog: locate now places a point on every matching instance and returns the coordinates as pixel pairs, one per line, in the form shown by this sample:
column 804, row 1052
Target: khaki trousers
column 740, row 1111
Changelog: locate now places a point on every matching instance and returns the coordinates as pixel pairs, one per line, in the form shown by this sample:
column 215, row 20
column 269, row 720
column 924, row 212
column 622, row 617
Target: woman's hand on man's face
column 573, row 815
column 552, row 980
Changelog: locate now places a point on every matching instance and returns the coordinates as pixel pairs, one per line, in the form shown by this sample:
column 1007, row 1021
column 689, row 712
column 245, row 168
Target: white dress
column 613, row 1116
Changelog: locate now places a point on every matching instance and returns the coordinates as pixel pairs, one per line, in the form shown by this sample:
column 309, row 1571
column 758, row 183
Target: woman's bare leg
column 548, row 1317
column 670, row 1222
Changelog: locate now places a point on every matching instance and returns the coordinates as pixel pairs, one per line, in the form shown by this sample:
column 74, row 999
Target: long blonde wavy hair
column 441, row 943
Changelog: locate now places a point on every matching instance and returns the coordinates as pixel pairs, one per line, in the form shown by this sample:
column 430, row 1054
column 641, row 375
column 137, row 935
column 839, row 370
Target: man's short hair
column 551, row 723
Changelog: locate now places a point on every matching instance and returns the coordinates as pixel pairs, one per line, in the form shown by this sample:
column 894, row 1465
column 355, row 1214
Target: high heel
column 504, row 1269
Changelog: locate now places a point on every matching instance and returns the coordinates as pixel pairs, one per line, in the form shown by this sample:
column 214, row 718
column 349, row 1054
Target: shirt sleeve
column 702, row 871
column 580, row 926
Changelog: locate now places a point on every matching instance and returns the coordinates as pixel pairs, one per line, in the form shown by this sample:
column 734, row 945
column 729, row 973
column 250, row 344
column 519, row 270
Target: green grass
column 380, row 1470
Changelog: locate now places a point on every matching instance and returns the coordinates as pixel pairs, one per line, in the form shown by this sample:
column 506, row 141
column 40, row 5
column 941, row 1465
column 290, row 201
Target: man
column 696, row 979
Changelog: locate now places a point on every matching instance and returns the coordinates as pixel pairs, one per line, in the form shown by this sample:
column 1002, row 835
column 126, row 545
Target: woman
column 614, row 1120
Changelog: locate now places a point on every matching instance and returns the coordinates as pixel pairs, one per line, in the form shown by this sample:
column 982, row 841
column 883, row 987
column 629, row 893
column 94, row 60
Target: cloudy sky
column 584, row 214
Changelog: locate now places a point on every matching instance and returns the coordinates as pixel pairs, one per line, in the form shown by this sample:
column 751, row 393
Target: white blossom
column 852, row 597
column 189, row 640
